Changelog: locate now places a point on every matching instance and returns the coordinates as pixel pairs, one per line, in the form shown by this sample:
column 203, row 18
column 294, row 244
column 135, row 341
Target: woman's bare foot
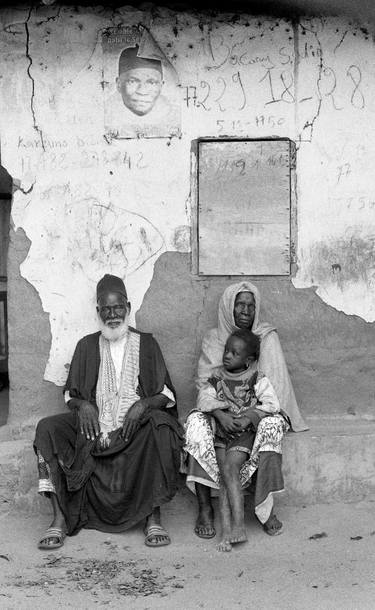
column 273, row 527
column 224, row 545
column 238, row 534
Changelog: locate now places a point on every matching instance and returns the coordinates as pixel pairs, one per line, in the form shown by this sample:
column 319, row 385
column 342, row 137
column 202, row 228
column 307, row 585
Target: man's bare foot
column 238, row 534
column 224, row 545
column 204, row 525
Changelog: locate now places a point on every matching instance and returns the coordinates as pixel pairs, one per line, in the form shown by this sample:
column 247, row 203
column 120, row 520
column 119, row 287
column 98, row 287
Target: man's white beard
column 114, row 334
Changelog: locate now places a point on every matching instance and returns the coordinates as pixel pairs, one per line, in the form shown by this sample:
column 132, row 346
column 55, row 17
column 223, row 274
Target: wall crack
column 341, row 41
column 27, row 53
column 51, row 18
column 18, row 187
column 311, row 124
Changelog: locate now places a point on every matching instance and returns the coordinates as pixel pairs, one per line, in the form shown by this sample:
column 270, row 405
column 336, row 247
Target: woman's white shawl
column 271, row 361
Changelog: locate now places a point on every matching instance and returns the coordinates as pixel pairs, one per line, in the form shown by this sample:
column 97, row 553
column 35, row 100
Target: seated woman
column 239, row 308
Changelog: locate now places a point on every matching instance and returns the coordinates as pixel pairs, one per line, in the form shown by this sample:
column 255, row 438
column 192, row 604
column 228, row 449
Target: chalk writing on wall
column 275, row 86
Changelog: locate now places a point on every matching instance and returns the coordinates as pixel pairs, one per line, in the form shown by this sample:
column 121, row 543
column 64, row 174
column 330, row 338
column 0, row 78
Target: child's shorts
column 242, row 441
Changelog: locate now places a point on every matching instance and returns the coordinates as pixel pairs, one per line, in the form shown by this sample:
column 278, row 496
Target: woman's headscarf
column 226, row 308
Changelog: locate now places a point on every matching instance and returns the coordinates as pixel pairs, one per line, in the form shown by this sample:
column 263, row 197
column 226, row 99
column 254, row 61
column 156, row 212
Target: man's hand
column 229, row 422
column 88, row 420
column 132, row 419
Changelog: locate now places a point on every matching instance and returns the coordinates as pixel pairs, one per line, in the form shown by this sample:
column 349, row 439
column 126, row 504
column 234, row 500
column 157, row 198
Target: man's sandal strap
column 156, row 530
column 52, row 532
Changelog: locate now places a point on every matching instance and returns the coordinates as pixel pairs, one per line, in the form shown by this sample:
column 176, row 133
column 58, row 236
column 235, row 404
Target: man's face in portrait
column 140, row 88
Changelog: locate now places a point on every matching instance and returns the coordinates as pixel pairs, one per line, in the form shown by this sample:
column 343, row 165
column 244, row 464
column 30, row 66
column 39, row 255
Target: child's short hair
column 251, row 341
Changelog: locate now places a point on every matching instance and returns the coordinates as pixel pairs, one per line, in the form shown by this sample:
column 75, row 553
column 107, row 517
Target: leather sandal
column 52, row 532
column 152, row 531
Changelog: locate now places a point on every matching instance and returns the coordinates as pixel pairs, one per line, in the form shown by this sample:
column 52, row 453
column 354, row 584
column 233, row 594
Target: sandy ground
column 324, row 559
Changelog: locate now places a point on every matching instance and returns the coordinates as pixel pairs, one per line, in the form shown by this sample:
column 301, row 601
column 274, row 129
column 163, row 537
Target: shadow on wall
column 329, row 354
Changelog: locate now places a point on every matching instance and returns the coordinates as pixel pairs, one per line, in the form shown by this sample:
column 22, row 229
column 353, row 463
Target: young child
column 240, row 396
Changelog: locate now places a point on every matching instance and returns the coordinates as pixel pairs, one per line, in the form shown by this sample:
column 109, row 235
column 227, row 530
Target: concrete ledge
column 333, row 461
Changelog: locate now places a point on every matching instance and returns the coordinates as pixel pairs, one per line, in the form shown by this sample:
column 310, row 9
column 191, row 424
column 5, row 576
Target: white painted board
column 244, row 207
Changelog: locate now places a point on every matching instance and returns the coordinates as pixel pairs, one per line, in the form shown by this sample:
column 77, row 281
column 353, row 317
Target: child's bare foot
column 238, row 534
column 224, row 545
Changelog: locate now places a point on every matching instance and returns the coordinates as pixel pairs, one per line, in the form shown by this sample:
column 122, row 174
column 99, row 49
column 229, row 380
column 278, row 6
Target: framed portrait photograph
column 141, row 86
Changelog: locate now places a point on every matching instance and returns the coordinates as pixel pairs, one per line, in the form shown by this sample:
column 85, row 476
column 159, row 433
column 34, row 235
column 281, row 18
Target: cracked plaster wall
column 88, row 205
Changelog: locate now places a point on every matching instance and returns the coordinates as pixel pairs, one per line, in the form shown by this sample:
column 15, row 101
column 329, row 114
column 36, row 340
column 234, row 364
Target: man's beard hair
column 113, row 334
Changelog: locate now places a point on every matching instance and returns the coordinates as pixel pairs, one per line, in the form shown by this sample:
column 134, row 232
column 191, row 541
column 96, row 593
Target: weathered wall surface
column 89, row 204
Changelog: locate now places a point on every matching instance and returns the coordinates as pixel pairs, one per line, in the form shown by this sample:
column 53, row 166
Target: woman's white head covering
column 226, row 323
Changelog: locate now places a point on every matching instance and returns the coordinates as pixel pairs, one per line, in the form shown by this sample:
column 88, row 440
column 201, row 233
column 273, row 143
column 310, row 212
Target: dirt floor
column 323, row 560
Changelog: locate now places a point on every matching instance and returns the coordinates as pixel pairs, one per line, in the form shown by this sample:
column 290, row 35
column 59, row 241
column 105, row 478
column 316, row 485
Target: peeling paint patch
column 181, row 238
column 344, row 260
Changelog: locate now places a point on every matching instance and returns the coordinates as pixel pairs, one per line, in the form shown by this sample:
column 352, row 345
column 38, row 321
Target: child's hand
column 250, row 417
column 229, row 422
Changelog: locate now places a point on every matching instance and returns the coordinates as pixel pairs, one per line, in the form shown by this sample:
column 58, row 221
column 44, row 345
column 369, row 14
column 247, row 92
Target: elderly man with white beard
column 113, row 459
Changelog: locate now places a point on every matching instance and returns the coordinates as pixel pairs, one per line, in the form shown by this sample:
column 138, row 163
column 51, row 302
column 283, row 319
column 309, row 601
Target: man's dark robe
column 112, row 489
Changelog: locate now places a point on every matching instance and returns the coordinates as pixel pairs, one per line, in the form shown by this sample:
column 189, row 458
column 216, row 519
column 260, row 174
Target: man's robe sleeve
column 84, row 369
column 153, row 373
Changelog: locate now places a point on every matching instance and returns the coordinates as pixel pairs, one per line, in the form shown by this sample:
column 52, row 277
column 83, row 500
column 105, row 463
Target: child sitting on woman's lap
column 240, row 396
